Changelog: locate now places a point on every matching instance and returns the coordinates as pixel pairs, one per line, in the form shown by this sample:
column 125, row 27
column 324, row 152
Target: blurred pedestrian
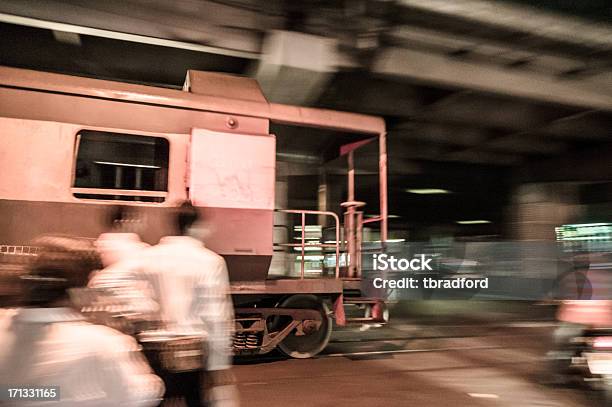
column 119, row 243
column 121, row 239
column 49, row 343
column 189, row 286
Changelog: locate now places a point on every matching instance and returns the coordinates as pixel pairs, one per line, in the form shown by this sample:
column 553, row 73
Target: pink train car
column 67, row 151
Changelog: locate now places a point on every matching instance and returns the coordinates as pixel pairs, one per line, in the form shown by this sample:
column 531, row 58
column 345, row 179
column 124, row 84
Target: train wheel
column 310, row 339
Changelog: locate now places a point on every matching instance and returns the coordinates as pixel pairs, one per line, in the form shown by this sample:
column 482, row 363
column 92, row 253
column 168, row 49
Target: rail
column 376, row 219
column 302, row 245
column 373, row 220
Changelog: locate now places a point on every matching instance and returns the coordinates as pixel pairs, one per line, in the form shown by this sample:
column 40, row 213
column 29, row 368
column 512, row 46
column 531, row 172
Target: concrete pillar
column 294, row 67
column 537, row 208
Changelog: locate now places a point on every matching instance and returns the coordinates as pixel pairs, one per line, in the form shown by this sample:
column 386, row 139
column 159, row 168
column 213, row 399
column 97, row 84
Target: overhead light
column 69, row 38
column 428, row 191
column 473, row 222
column 378, row 216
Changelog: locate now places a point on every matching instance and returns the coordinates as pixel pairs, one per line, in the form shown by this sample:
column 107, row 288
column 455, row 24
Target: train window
column 123, row 167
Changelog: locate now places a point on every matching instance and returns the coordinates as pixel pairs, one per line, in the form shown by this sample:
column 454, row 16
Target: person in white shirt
column 50, row 344
column 188, row 289
column 122, row 240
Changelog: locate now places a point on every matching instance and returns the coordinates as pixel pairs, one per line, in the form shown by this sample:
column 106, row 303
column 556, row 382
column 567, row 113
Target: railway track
column 405, row 349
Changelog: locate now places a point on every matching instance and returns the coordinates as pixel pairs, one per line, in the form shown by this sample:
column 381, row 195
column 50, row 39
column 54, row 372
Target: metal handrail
column 375, row 219
column 303, row 214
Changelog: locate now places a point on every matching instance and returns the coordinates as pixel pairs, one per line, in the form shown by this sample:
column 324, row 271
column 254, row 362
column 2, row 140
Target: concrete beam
column 530, row 20
column 424, row 67
column 494, row 51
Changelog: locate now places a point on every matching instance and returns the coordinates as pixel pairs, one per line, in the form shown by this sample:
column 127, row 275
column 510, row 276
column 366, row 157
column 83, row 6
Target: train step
column 361, row 300
column 363, row 320
column 375, row 310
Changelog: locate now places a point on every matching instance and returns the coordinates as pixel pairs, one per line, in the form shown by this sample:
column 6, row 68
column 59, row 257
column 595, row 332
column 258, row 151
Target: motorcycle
column 593, row 358
column 589, row 360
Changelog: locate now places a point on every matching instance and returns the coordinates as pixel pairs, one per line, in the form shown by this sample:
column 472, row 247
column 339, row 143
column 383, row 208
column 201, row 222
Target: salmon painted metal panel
column 247, row 250
column 232, row 170
column 28, row 79
column 88, row 111
column 39, row 155
column 36, row 160
column 223, row 85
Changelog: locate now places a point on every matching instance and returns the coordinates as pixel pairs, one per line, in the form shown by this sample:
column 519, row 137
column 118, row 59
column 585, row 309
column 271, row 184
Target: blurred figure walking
column 49, row 343
column 122, row 239
column 189, row 287
column 120, row 242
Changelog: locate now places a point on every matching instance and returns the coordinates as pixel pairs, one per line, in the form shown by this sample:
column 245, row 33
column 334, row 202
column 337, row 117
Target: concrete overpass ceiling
column 588, row 125
column 597, row 10
column 107, row 58
column 232, row 26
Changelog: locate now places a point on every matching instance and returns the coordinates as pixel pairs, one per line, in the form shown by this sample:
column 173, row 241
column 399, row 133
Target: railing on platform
column 303, row 245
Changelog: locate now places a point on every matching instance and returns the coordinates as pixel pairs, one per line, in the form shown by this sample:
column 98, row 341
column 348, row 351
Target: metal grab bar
column 375, row 219
column 303, row 214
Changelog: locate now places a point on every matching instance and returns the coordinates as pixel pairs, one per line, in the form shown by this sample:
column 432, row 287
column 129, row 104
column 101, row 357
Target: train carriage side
column 74, row 146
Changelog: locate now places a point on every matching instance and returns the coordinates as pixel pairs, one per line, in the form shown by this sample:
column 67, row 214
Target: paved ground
column 414, row 365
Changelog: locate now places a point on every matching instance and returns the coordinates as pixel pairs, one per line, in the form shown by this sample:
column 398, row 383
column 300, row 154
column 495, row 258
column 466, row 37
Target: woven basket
column 176, row 354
